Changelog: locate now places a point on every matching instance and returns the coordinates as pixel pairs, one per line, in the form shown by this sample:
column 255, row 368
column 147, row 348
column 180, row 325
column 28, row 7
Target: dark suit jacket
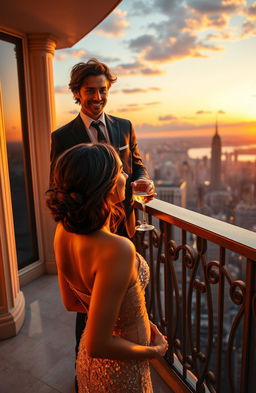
column 122, row 137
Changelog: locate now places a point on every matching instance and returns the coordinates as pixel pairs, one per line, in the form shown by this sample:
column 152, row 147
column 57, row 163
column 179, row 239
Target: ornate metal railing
column 202, row 295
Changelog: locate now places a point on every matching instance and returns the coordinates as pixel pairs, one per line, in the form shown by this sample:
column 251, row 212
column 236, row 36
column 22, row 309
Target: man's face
column 93, row 95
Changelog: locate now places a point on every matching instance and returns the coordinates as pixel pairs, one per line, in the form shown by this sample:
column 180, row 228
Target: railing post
column 248, row 372
column 169, row 307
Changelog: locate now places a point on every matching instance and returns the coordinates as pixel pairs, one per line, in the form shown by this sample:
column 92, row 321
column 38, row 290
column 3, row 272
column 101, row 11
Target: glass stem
column 144, row 214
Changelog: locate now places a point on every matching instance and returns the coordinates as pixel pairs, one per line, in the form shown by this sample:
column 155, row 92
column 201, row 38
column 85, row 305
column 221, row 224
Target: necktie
column 100, row 135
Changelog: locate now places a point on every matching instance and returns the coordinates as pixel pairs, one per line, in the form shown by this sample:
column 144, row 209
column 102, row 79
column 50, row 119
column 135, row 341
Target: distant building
column 219, row 201
column 149, row 163
column 187, row 175
column 172, row 193
column 245, row 215
column 216, row 160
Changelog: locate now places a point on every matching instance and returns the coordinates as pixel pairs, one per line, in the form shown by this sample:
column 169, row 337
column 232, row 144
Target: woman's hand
column 158, row 340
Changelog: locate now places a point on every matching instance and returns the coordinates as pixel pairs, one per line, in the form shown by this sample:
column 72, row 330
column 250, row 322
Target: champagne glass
column 142, row 197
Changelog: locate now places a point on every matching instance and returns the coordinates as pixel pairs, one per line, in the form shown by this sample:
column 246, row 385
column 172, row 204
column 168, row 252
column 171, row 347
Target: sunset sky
column 178, row 64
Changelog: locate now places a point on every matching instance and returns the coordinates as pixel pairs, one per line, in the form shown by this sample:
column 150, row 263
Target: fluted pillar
column 41, row 50
column 12, row 303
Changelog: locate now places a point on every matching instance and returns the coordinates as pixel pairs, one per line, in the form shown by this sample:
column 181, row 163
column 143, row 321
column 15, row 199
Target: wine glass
column 142, row 197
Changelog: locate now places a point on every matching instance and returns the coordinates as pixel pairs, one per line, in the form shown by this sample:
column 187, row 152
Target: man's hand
column 144, row 185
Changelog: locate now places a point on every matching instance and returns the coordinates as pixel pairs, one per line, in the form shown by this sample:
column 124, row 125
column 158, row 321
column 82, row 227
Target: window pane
column 14, row 108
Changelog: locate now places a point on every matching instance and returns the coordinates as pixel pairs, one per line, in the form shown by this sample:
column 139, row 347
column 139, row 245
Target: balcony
column 202, row 295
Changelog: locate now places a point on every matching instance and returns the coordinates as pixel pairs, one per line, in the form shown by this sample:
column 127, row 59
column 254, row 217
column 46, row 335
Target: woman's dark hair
column 82, row 179
column 81, row 71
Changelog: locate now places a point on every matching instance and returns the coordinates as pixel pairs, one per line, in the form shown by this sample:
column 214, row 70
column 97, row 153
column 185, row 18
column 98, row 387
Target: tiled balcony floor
column 41, row 358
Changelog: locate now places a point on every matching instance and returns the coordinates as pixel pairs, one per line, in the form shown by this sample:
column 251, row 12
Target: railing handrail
column 222, row 233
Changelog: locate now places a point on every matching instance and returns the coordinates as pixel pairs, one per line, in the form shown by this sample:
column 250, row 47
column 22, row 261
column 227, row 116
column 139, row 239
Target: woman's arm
column 110, row 285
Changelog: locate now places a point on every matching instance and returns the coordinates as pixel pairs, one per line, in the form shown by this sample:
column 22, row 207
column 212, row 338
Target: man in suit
column 90, row 83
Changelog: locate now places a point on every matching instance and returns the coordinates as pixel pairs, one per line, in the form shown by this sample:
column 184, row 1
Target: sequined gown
column 116, row 376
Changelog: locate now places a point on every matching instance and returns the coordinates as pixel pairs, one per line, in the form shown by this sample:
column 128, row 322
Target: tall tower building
column 216, row 160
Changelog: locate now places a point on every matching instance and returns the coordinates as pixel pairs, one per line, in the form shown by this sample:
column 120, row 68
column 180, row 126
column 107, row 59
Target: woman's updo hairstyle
column 82, row 179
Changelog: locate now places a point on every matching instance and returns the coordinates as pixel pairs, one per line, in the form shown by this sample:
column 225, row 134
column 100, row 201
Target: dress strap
column 75, row 291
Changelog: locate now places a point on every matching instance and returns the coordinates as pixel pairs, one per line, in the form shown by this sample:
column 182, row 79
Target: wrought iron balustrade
column 202, row 295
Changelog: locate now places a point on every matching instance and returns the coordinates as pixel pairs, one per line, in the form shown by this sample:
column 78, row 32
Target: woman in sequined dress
column 100, row 273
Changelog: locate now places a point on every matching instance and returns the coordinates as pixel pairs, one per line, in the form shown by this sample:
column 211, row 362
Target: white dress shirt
column 92, row 132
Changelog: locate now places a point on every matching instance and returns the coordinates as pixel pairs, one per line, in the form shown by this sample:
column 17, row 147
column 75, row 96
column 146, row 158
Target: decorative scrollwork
column 142, row 240
column 213, row 272
column 237, row 292
column 199, row 285
column 144, row 244
column 210, row 380
column 201, row 245
column 172, row 247
column 156, row 238
column 199, row 355
column 190, row 255
column 188, row 359
column 162, row 258
column 177, row 348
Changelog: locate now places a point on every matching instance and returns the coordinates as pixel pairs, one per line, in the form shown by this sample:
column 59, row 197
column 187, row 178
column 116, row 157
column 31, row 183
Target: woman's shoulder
column 120, row 244
column 118, row 248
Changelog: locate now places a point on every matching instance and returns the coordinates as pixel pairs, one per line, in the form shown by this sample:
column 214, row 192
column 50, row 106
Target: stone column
column 41, row 50
column 12, row 303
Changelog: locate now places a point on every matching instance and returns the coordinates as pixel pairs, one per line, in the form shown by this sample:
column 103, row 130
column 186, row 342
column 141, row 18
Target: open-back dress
column 97, row 375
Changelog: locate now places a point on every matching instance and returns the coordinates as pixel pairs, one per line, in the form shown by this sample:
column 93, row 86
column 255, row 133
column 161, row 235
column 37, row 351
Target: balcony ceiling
column 68, row 21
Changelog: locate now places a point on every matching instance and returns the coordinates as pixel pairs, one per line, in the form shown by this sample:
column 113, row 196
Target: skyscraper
column 216, row 160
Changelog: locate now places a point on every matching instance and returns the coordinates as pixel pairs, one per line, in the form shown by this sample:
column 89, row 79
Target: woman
column 99, row 273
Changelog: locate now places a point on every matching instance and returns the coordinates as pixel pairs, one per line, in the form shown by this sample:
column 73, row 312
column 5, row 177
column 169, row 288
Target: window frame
column 18, row 42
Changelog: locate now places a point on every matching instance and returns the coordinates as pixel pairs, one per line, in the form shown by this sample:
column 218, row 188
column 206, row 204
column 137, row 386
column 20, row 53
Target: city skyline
column 178, row 65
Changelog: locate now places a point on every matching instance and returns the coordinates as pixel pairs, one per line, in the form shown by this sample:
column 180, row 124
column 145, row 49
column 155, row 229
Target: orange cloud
column 252, row 11
column 140, row 90
column 220, row 36
column 167, row 118
column 82, row 55
column 136, row 68
column 135, row 107
column 202, row 112
column 114, row 25
column 249, row 29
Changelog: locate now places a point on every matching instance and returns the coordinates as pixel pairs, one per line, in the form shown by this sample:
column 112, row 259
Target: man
column 90, row 83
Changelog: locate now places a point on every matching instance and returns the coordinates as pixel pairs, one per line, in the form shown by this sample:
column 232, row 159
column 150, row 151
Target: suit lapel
column 113, row 130
column 79, row 132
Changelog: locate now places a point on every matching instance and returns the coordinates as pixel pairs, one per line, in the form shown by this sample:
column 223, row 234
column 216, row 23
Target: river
column 200, row 152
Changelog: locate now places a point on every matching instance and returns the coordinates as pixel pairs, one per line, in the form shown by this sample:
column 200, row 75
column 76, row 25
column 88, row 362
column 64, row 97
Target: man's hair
column 83, row 177
column 81, row 71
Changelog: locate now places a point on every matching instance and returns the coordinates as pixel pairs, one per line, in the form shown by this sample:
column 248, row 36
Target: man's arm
column 140, row 176
column 138, row 169
column 56, row 150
